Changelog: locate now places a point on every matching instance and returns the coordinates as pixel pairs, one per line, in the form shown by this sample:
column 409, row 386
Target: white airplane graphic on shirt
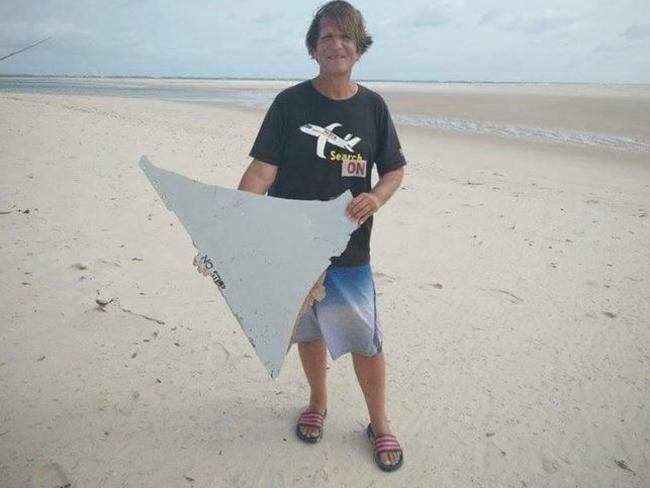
column 326, row 134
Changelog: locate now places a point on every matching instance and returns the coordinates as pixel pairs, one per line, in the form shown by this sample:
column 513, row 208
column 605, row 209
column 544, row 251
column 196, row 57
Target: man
column 319, row 139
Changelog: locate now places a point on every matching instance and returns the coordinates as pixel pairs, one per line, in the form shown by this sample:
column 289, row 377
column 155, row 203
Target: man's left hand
column 362, row 207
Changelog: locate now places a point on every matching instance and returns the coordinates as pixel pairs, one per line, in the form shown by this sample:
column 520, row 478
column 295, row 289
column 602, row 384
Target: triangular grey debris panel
column 267, row 252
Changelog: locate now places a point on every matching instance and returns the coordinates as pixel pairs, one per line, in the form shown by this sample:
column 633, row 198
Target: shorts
column 347, row 317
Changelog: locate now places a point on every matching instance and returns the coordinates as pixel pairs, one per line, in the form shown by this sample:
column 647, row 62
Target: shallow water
column 559, row 136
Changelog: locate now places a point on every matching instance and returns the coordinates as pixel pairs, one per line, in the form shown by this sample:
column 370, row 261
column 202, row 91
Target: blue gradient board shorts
column 347, row 317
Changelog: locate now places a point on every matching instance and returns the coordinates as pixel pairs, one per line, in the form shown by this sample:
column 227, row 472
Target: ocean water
column 539, row 134
column 260, row 99
column 202, row 91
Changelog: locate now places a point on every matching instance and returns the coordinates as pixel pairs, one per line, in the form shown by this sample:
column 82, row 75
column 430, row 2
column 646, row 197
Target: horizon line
column 380, row 80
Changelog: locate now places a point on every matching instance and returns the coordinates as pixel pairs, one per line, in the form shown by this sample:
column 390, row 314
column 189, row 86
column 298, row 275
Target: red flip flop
column 311, row 419
column 382, row 444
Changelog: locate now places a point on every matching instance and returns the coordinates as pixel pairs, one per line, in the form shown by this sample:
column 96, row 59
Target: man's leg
column 371, row 373
column 313, row 356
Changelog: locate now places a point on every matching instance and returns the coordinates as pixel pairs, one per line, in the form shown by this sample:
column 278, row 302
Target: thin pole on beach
column 25, row 48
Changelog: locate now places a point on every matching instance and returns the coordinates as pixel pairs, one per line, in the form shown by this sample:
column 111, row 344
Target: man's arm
column 258, row 177
column 366, row 204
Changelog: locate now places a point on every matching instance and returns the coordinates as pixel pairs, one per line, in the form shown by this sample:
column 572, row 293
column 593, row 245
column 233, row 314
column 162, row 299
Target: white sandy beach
column 514, row 283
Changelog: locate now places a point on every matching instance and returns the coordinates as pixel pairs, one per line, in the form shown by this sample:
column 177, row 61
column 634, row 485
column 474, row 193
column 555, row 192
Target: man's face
column 336, row 52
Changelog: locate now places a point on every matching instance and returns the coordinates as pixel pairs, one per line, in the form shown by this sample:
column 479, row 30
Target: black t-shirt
column 323, row 147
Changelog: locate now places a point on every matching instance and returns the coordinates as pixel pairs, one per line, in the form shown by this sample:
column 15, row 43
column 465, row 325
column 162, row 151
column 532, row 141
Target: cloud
column 130, row 3
column 19, row 32
column 266, row 17
column 633, row 40
column 635, row 32
column 428, row 19
column 615, row 47
column 490, row 16
column 431, row 16
column 526, row 22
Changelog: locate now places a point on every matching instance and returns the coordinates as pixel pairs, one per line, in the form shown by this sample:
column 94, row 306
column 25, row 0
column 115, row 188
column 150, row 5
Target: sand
column 514, row 283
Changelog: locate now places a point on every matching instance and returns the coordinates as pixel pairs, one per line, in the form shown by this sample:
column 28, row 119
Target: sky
column 443, row 40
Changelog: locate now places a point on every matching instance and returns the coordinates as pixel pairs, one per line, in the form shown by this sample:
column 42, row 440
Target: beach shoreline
column 582, row 110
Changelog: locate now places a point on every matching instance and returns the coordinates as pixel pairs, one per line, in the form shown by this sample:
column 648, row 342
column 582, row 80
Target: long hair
column 346, row 18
